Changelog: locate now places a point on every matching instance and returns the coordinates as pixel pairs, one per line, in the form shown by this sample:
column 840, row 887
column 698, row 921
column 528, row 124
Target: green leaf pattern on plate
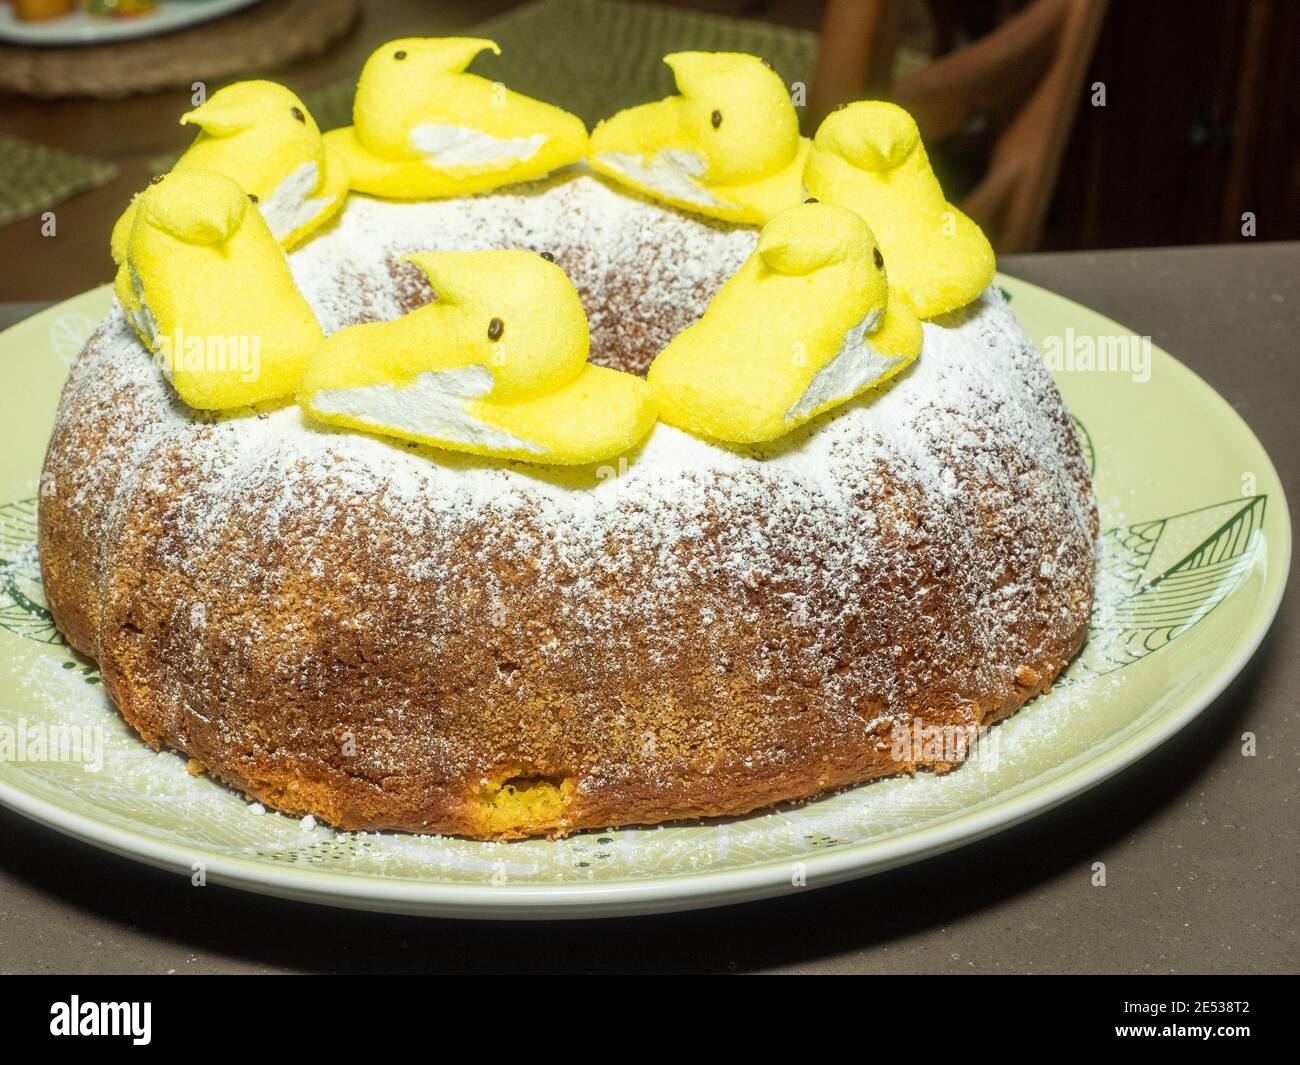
column 22, row 599
column 1175, row 571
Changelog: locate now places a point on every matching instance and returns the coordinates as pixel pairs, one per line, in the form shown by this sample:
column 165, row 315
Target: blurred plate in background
column 80, row 28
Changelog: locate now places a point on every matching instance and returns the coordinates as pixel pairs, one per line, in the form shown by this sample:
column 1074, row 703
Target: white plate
column 80, row 28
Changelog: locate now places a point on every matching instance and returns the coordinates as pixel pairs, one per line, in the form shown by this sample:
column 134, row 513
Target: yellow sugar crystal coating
column 209, row 290
column 812, row 291
column 496, row 365
column 900, row 330
column 727, row 145
column 869, row 158
column 423, row 128
column 600, row 413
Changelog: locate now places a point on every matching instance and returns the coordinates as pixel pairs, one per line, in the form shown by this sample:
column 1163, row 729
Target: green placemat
column 593, row 57
column 331, row 106
column 34, row 177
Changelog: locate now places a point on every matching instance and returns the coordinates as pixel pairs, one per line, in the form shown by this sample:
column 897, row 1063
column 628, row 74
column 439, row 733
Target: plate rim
column 696, row 890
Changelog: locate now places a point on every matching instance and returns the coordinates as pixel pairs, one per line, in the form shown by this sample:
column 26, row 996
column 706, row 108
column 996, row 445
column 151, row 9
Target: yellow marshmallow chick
column 496, row 365
column 423, row 128
column 209, row 290
column 123, row 288
column 260, row 134
column 805, row 324
column 869, row 157
column 727, row 146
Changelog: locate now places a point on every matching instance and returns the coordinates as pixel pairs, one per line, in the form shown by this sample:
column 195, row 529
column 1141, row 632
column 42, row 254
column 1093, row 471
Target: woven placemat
column 262, row 37
column 592, row 57
column 34, row 177
column 595, row 57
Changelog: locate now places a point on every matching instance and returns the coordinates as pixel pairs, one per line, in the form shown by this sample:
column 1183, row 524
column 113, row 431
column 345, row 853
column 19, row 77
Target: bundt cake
column 389, row 634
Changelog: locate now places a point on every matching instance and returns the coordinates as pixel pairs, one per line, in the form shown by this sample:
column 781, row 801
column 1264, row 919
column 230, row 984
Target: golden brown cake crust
column 383, row 636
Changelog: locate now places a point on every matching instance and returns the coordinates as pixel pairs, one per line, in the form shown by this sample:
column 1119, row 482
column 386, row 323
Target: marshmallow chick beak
column 496, row 365
column 869, row 158
column 424, row 129
column 209, row 290
column 224, row 115
column 726, row 146
column 807, row 323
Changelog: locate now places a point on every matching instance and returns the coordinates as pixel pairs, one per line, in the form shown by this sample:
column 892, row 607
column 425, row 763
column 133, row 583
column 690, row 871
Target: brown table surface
column 1201, row 845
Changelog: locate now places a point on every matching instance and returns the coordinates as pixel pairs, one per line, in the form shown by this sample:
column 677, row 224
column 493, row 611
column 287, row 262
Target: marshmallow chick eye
column 810, row 287
column 868, row 157
column 430, row 376
column 424, row 128
column 679, row 150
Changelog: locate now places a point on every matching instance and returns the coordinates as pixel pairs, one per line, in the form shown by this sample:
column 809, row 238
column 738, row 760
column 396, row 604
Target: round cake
column 462, row 471
column 386, row 635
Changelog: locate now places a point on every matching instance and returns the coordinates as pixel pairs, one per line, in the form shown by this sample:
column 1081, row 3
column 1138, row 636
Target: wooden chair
column 1026, row 76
